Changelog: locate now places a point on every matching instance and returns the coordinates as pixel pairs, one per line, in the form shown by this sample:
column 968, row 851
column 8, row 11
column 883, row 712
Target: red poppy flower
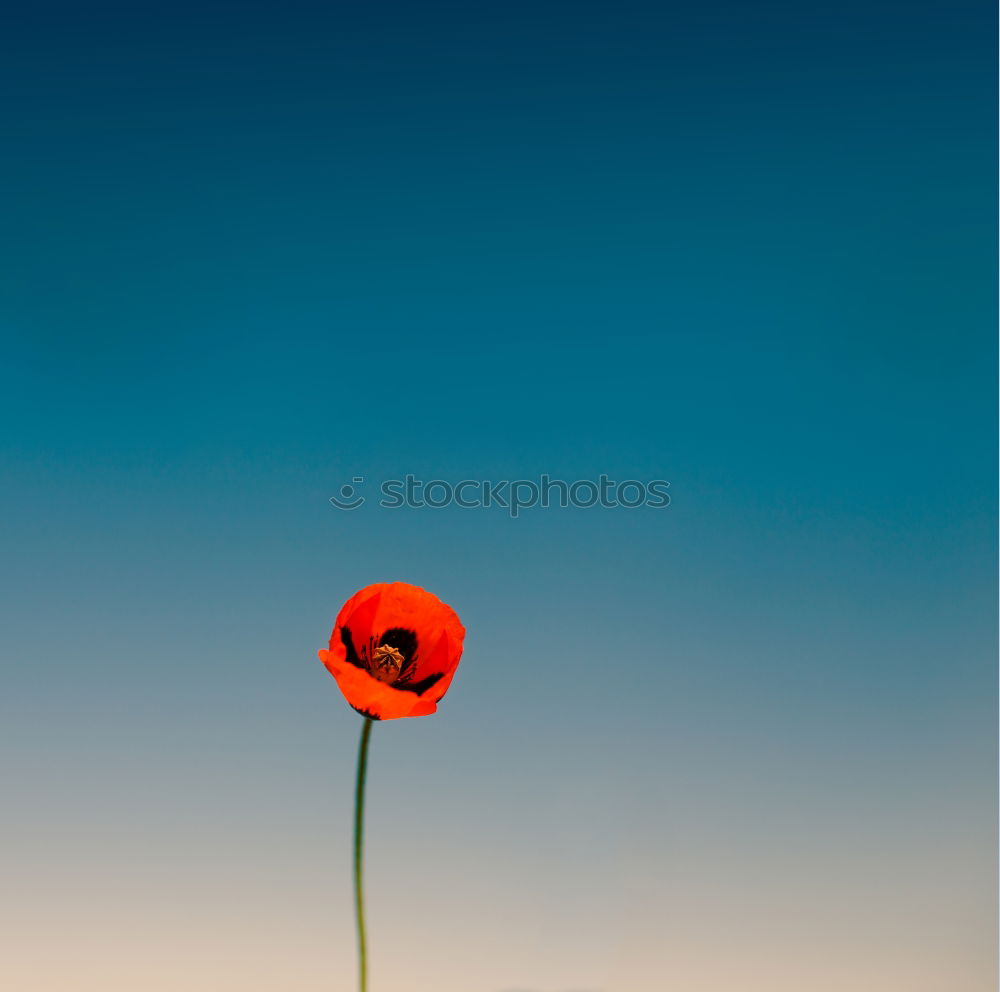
column 394, row 650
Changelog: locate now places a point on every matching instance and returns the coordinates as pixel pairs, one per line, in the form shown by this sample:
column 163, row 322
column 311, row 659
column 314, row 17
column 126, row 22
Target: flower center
column 386, row 663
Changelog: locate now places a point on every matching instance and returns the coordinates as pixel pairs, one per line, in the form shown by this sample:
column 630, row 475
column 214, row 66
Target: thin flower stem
column 359, row 821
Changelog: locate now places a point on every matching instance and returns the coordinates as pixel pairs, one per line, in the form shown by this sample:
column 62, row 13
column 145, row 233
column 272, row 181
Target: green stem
column 359, row 821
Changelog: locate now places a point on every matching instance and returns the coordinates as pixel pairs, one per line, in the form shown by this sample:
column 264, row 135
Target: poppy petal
column 373, row 698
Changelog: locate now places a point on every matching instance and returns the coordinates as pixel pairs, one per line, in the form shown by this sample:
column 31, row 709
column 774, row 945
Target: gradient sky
column 743, row 744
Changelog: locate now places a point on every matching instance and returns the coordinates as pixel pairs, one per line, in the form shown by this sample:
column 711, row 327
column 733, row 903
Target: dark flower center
column 391, row 658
